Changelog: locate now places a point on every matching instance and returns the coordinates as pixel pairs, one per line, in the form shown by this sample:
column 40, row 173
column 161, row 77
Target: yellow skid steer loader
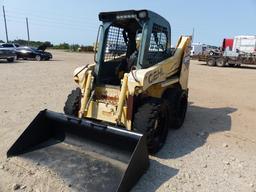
column 125, row 102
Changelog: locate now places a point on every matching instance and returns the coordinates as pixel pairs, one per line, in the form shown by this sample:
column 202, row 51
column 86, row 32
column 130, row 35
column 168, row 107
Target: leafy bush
column 86, row 49
column 31, row 43
column 61, row 46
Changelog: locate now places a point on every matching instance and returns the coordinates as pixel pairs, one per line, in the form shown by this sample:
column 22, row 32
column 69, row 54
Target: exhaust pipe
column 118, row 157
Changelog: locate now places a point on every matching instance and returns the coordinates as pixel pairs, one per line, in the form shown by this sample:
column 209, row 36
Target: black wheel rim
column 211, row 62
column 220, row 63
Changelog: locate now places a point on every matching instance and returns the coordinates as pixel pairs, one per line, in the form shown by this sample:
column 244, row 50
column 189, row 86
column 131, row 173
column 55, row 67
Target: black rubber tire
column 211, row 62
column 151, row 119
column 11, row 60
column 73, row 103
column 178, row 103
column 220, row 62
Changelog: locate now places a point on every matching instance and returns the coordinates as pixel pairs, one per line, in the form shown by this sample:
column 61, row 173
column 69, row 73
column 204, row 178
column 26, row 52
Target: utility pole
column 193, row 34
column 27, row 30
column 6, row 32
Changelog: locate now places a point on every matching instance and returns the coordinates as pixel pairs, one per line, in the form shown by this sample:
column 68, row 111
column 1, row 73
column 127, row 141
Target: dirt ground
column 215, row 150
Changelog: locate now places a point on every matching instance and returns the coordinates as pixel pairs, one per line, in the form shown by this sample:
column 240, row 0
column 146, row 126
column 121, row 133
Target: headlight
column 143, row 14
column 131, row 16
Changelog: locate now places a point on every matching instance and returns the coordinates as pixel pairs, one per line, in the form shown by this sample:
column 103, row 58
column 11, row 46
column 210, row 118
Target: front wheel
column 152, row 119
column 73, row 103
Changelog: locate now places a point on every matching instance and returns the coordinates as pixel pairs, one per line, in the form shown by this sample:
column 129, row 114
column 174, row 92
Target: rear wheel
column 178, row 103
column 73, row 103
column 220, row 62
column 211, row 62
column 10, row 60
column 38, row 58
column 152, row 119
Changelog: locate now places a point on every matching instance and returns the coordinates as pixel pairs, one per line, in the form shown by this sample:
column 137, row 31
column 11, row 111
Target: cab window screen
column 116, row 45
column 158, row 44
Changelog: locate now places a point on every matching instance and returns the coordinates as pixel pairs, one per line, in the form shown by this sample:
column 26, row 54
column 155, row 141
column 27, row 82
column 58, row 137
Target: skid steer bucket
column 110, row 158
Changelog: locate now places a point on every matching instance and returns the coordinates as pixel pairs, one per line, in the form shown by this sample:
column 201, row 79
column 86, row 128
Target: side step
column 110, row 158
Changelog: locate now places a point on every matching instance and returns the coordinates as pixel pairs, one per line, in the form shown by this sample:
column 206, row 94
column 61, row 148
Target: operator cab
column 120, row 45
column 130, row 40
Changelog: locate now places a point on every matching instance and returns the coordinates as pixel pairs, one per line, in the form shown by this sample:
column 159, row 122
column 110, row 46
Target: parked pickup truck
column 10, row 45
column 7, row 53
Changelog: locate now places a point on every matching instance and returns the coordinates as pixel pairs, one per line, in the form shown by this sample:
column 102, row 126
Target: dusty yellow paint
column 122, row 98
column 86, row 93
column 161, row 71
column 107, row 112
column 155, row 91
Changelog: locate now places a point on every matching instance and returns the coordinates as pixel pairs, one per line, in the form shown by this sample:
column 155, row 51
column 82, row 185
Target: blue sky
column 77, row 21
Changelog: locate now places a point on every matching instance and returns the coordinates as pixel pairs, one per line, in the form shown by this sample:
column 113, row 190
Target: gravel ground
column 213, row 151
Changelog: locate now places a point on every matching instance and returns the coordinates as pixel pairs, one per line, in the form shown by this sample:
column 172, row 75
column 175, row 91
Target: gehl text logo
column 154, row 75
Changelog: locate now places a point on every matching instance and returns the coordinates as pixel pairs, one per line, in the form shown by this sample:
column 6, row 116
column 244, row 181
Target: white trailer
column 245, row 44
column 196, row 49
column 243, row 52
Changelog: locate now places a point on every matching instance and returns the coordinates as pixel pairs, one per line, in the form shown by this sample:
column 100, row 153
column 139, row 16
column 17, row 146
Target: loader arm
column 144, row 78
column 84, row 78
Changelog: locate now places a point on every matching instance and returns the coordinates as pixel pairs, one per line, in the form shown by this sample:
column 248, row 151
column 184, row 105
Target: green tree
column 23, row 42
column 62, row 46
